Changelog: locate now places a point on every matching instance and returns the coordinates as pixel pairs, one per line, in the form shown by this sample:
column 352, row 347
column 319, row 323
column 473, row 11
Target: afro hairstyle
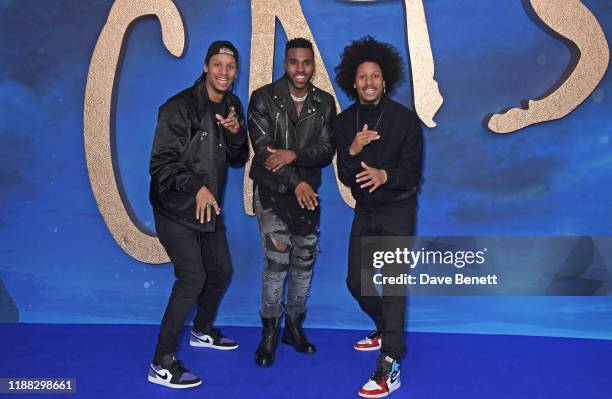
column 369, row 49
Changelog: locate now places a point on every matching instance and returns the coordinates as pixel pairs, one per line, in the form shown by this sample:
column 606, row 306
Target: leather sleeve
column 261, row 131
column 322, row 152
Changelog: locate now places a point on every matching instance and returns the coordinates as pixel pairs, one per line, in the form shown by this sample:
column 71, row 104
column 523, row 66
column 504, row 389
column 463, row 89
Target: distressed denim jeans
column 284, row 253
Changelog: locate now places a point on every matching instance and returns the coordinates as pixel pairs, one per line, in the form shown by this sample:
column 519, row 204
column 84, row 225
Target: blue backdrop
column 60, row 264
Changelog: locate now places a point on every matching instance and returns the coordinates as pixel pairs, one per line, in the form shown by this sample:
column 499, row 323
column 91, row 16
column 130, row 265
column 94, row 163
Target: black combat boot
column 264, row 356
column 293, row 334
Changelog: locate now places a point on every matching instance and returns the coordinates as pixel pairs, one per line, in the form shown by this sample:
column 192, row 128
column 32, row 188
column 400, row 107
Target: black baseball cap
column 221, row 47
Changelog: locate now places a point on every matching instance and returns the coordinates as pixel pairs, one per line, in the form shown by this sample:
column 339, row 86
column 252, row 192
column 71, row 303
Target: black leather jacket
column 191, row 150
column 310, row 138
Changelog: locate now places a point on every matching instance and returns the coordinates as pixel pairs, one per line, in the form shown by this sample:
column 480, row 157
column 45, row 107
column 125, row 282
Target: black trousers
column 202, row 267
column 387, row 312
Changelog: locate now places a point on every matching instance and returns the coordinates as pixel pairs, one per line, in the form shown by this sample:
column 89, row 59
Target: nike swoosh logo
column 206, row 340
column 165, row 376
column 393, row 378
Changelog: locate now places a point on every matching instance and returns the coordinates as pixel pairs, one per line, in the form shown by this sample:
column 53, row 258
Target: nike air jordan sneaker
column 170, row 373
column 372, row 342
column 385, row 379
column 212, row 339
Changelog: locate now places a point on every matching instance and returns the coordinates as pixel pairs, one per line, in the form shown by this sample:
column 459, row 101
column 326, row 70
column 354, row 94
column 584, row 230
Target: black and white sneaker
column 212, row 339
column 171, row 373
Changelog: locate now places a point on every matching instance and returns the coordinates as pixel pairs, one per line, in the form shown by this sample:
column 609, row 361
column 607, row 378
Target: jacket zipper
column 286, row 131
column 276, row 125
column 301, row 120
column 259, row 127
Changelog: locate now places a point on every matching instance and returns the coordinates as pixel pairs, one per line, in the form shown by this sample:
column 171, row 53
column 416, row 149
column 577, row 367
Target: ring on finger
column 207, row 205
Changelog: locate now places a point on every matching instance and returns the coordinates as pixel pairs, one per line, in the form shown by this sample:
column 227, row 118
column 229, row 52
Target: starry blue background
column 60, row 264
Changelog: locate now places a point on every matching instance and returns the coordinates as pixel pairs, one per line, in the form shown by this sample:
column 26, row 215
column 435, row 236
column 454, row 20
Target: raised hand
column 362, row 139
column 230, row 123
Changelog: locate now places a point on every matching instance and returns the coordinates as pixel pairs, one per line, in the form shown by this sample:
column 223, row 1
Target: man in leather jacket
column 290, row 130
column 199, row 131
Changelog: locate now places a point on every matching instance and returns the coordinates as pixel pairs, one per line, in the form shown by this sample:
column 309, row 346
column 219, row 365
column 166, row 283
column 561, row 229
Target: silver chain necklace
column 299, row 99
column 377, row 121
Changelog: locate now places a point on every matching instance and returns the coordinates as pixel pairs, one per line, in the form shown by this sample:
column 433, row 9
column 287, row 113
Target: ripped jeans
column 284, row 253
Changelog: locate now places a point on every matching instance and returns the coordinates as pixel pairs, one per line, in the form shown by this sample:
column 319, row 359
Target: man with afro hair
column 379, row 144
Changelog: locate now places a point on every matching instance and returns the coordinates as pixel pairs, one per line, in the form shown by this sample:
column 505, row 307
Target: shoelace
column 177, row 369
column 215, row 333
column 379, row 374
column 374, row 334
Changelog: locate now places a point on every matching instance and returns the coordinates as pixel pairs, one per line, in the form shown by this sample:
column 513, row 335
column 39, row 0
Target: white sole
column 199, row 344
column 165, row 383
column 382, row 395
column 375, row 348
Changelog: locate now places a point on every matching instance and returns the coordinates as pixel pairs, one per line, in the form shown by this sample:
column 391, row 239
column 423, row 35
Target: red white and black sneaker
column 372, row 342
column 385, row 379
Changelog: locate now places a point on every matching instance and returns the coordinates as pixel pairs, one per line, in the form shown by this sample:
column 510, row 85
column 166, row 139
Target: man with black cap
column 199, row 131
column 290, row 130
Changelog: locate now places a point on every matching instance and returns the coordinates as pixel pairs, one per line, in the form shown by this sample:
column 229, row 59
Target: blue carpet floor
column 111, row 361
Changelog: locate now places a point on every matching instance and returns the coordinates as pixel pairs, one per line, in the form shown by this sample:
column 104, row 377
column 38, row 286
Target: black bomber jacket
column 191, row 150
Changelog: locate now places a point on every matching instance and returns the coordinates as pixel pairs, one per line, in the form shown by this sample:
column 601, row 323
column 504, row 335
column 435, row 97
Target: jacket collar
column 281, row 90
column 202, row 98
column 374, row 107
